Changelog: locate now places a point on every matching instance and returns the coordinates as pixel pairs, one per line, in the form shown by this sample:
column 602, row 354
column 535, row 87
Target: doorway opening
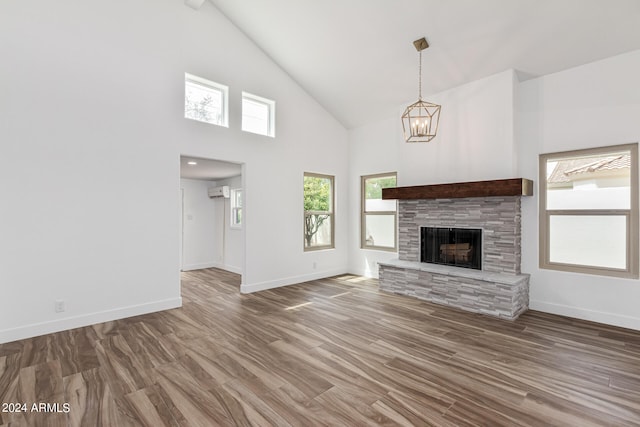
column 212, row 214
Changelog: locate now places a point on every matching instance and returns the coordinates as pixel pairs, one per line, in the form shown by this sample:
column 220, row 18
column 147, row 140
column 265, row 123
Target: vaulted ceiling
column 356, row 57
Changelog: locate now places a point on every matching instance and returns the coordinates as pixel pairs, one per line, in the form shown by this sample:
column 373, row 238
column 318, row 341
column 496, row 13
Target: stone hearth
column 499, row 289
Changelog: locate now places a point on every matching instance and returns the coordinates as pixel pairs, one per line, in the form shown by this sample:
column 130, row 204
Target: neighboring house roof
column 570, row 170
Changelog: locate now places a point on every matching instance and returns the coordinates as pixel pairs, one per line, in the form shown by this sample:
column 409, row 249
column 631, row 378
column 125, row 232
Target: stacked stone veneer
column 499, row 289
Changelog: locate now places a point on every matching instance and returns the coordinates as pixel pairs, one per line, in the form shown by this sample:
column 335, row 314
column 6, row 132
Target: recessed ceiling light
column 192, row 163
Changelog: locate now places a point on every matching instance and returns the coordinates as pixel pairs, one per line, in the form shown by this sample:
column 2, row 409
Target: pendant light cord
column 420, row 78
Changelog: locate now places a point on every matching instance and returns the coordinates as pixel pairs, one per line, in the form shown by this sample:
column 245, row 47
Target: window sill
column 378, row 248
column 593, row 271
column 319, row 248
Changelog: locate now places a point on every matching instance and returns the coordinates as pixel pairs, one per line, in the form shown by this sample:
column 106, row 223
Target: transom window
column 318, row 211
column 378, row 217
column 205, row 101
column 258, row 115
column 589, row 211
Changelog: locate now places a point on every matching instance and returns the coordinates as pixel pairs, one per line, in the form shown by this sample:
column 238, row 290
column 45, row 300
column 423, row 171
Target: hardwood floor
column 328, row 352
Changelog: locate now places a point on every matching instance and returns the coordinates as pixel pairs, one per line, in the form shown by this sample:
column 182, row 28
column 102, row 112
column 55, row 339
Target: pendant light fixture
column 420, row 119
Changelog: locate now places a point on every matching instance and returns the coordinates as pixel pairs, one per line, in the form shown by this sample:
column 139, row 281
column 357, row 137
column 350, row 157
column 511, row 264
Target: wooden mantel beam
column 495, row 188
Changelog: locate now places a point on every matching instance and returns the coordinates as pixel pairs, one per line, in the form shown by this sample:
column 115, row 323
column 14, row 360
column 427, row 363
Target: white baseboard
column 262, row 286
column 190, row 267
column 219, row 265
column 584, row 314
column 37, row 329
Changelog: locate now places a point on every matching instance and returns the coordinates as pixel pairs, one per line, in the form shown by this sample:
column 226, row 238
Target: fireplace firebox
column 458, row 247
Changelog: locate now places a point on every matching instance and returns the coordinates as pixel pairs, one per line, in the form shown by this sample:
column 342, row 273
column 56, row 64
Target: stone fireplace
column 472, row 232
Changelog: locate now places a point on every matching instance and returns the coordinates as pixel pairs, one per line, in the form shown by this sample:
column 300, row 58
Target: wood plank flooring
column 329, row 352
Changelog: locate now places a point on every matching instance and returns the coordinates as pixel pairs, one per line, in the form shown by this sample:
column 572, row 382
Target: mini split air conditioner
column 222, row 191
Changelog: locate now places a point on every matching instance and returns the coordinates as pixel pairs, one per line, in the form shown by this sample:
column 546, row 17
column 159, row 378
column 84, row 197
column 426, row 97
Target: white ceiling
column 209, row 170
column 356, row 57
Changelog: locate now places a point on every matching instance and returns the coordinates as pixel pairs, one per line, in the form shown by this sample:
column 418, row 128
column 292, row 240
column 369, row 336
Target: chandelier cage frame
column 420, row 120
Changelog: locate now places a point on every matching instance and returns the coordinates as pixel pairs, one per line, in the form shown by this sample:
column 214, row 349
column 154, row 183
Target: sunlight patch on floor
column 293, row 307
column 339, row 295
column 358, row 279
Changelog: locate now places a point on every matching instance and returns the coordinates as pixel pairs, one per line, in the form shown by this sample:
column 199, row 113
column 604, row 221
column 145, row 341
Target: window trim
column 271, row 108
column 331, row 213
column 211, row 85
column 364, row 213
column 544, row 215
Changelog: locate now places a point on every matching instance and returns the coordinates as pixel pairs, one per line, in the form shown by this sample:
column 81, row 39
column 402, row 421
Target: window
column 258, row 115
column 205, row 101
column 378, row 217
column 589, row 211
column 236, row 207
column 318, row 211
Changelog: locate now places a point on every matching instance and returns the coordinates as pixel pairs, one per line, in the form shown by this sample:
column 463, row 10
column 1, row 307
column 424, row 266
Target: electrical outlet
column 60, row 306
column 315, row 265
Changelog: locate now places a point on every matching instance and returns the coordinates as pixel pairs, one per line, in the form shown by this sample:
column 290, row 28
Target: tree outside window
column 205, row 101
column 318, row 211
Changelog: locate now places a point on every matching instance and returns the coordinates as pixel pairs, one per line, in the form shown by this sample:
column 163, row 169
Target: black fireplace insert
column 459, row 247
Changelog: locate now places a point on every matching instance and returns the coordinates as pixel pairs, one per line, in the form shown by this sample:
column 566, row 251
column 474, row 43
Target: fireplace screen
column 460, row 247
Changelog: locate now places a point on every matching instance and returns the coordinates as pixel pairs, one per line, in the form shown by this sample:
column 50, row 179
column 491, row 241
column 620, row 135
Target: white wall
column 474, row 142
column 88, row 172
column 233, row 237
column 475, row 139
column 594, row 105
column 307, row 139
column 208, row 238
column 372, row 149
column 92, row 129
column 201, row 226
